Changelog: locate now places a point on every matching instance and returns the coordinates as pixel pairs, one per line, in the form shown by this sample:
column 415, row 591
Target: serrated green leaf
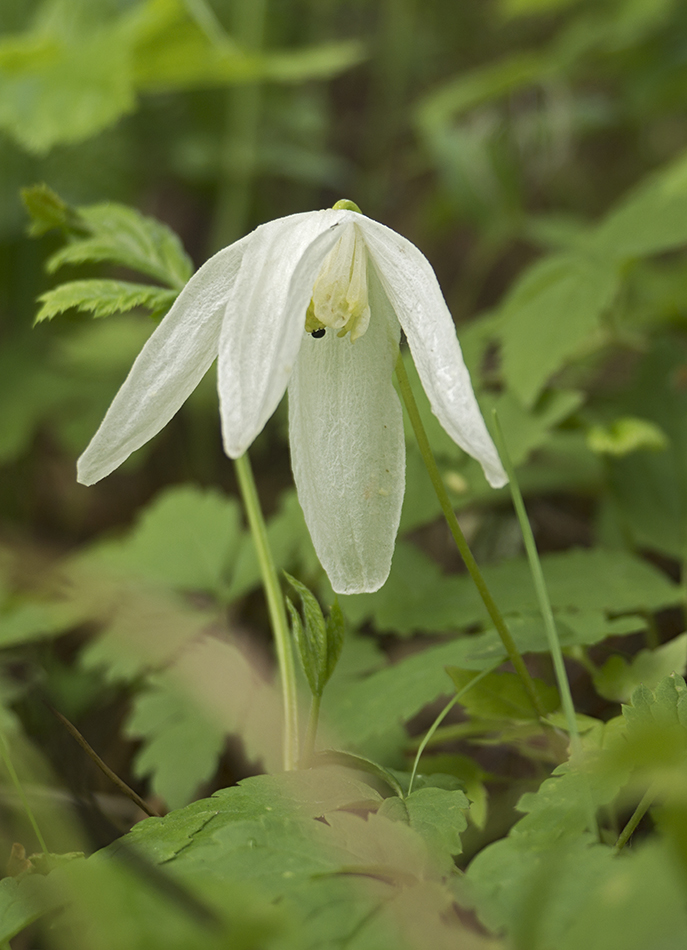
column 419, row 597
column 439, row 815
column 187, row 538
column 369, row 882
column 181, row 746
column 103, row 297
column 121, row 235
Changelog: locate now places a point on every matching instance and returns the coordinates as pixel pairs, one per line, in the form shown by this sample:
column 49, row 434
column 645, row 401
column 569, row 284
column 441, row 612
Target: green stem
column 545, row 608
column 639, row 812
column 275, row 604
column 440, row 718
column 5, row 753
column 540, row 588
column 447, row 508
column 310, row 735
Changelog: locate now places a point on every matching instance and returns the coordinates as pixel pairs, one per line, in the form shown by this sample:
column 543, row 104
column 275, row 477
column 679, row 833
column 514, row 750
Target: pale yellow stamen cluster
column 339, row 295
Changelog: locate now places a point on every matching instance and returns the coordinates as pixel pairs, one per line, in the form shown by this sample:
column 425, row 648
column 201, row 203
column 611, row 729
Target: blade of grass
column 544, row 605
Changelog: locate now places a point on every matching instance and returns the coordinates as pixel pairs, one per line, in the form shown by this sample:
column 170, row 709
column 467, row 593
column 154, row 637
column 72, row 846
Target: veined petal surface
column 265, row 316
column 413, row 291
column 347, row 448
column 168, row 368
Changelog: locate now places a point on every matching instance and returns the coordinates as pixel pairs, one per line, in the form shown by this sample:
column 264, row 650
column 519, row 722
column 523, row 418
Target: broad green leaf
column 500, row 695
column 651, row 220
column 23, row 900
column 418, row 596
column 648, row 488
column 187, row 538
column 640, row 904
column 28, row 621
column 64, row 79
column 103, row 297
column 369, row 882
column 439, row 815
column 118, row 234
column 552, row 315
column 181, row 746
column 617, row 678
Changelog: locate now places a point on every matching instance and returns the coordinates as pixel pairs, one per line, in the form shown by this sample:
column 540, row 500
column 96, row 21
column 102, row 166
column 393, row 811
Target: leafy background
column 536, row 151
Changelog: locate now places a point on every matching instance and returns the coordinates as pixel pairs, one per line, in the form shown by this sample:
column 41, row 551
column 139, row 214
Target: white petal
column 168, row 368
column 415, row 295
column 347, row 449
column 265, row 317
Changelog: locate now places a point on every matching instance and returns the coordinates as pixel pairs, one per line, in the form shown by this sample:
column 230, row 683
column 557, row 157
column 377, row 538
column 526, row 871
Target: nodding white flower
column 315, row 302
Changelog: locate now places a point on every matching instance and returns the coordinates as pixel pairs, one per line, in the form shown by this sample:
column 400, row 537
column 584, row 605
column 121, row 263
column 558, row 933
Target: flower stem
column 540, row 589
column 311, row 733
column 5, row 754
column 430, row 464
column 547, row 615
column 275, row 604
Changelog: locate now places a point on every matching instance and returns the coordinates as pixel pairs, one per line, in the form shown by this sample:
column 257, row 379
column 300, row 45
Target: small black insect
column 318, row 334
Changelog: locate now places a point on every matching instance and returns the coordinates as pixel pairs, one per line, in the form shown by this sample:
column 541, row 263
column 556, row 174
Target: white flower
column 313, row 301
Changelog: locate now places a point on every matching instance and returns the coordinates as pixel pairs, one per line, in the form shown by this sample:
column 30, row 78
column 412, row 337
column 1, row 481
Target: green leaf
column 181, row 745
column 419, row 597
column 64, row 79
column 121, row 235
column 552, row 315
column 187, row 538
column 103, row 297
column 23, row 900
column 500, row 695
column 651, row 220
column 439, row 815
column 617, row 679
column 626, row 435
column 46, row 210
column 364, row 882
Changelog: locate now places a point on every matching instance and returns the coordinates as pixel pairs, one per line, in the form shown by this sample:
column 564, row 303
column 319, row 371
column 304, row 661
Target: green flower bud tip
column 345, row 204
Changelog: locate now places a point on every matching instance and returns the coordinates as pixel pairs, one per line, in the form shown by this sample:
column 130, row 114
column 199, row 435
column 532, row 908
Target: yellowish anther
column 339, row 297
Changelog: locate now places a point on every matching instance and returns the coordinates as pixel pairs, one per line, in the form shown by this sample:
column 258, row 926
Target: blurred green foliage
column 536, row 151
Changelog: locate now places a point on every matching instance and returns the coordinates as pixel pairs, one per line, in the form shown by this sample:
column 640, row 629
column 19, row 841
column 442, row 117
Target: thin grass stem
column 544, row 606
column 440, row 718
column 9, row 765
column 275, row 605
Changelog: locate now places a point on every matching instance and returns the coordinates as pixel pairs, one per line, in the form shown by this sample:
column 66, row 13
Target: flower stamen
column 339, row 297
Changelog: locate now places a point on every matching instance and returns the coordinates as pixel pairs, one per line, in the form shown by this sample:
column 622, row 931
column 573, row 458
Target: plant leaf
column 103, row 297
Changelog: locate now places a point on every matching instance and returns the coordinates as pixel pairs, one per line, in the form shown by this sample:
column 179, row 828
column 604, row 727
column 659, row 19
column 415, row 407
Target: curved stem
column 639, row 812
column 275, row 605
column 447, row 508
